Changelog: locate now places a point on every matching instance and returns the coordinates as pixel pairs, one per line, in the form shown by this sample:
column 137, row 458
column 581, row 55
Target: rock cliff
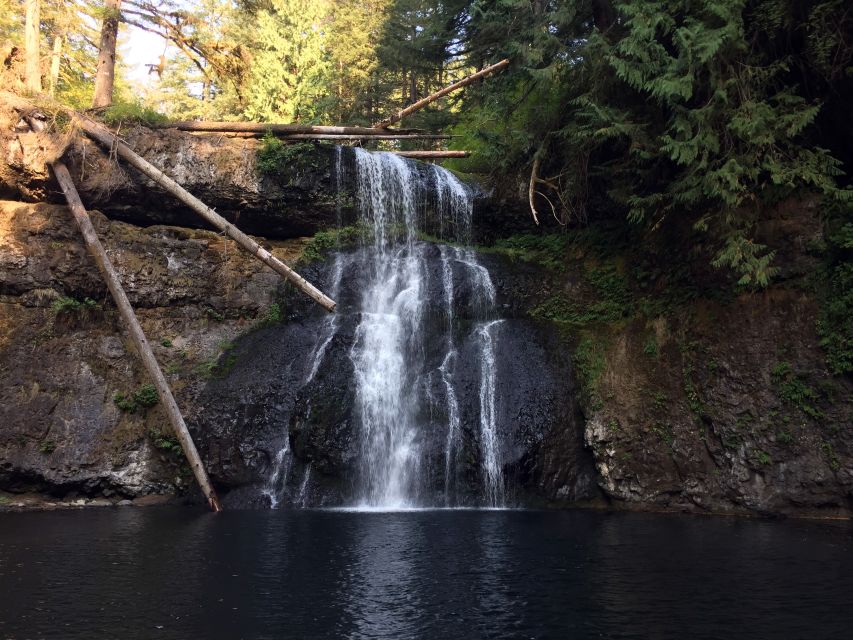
column 717, row 402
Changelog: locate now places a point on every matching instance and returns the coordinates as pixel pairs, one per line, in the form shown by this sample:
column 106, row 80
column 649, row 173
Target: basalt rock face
column 220, row 171
column 294, row 383
column 64, row 357
column 720, row 405
column 713, row 420
column 297, row 199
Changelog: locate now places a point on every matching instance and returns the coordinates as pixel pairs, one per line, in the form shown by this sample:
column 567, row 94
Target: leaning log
column 96, row 249
column 430, row 155
column 105, row 137
column 420, row 104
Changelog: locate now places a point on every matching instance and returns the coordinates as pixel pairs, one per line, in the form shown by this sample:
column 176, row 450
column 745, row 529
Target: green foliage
column 589, row 363
column 651, row 347
column 220, row 364
column 548, row 251
column 165, row 442
column 831, row 456
column 140, row 401
column 664, row 433
column 166, row 343
column 67, row 305
column 289, row 75
column 334, row 239
column 47, row 447
column 132, row 113
column 835, row 323
column 701, row 113
column 784, row 437
column 213, row 314
column 272, row 316
column 276, row 157
column 610, row 301
column 763, row 458
column 691, row 392
column 793, row 389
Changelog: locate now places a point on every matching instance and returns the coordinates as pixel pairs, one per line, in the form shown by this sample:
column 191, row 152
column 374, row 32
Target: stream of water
column 393, row 379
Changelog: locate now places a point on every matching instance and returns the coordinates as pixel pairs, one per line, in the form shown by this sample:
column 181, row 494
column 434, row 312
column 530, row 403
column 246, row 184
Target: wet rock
column 62, row 366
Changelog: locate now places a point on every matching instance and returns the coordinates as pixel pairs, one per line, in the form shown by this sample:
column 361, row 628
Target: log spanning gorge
column 408, row 373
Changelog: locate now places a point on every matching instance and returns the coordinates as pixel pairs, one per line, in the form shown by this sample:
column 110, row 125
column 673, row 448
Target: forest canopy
column 659, row 112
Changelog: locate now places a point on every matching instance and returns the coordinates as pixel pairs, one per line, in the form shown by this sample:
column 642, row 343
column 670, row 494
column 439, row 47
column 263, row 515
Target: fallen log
column 381, row 136
column 420, row 104
column 262, row 128
column 101, row 134
column 326, row 136
column 96, row 249
column 429, row 155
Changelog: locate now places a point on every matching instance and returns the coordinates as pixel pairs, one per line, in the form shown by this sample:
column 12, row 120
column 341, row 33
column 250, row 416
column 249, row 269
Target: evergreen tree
column 290, row 65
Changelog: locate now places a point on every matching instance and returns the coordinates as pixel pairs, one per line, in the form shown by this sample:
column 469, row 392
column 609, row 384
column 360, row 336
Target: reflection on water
column 171, row 573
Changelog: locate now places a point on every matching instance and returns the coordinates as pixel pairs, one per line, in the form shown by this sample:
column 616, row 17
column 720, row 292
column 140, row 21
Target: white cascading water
column 387, row 347
column 388, row 353
column 489, row 442
column 392, row 380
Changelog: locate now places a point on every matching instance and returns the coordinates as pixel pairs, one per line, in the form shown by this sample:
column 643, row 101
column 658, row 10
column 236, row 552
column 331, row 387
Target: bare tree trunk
column 31, row 46
column 105, row 77
column 420, row 104
column 428, row 155
column 167, row 400
column 280, row 129
column 106, row 138
column 55, row 58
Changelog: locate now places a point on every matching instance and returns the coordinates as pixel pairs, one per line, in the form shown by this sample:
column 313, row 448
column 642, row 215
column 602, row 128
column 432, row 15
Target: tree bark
column 603, row 14
column 420, row 104
column 426, row 155
column 31, row 46
column 105, row 76
column 279, row 129
column 531, row 188
column 55, row 58
column 107, row 139
column 326, row 136
column 167, row 400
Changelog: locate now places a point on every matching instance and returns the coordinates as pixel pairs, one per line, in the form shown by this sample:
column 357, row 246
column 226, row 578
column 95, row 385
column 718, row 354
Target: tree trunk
column 167, row 400
column 603, row 14
column 55, row 58
column 420, row 104
column 106, row 138
column 427, row 155
column 280, row 129
column 105, row 77
column 31, row 46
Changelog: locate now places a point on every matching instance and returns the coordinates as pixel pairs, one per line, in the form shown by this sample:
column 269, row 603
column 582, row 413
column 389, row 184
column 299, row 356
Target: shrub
column 793, row 389
column 47, row 447
column 274, row 156
column 132, row 113
column 142, row 399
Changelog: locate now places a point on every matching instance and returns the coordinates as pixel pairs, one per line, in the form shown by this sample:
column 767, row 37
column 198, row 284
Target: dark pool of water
column 178, row 573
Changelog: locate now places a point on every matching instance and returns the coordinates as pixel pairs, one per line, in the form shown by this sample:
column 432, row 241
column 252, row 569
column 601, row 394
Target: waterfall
column 489, row 444
column 278, row 479
column 388, row 351
column 414, row 341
